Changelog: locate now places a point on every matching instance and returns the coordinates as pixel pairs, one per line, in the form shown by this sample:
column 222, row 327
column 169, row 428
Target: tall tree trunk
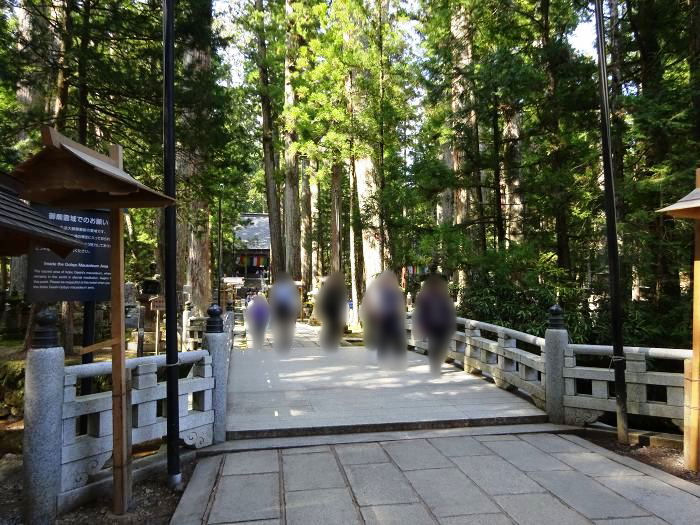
column 366, row 192
column 511, row 168
column 551, row 121
column 356, row 257
column 694, row 64
column 336, row 208
column 292, row 227
column 498, row 204
column 381, row 144
column 318, row 234
column 445, row 213
column 63, row 75
column 199, row 260
column 478, row 183
column 461, row 34
column 306, row 230
column 82, row 72
column 277, row 263
column 644, row 23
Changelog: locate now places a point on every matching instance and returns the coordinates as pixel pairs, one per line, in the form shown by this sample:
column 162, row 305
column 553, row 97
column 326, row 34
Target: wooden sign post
column 120, row 423
column 121, row 426
column 67, row 174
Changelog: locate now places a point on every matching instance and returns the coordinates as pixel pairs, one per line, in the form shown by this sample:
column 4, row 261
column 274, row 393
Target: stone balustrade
column 560, row 376
column 590, row 390
column 68, row 436
column 84, row 454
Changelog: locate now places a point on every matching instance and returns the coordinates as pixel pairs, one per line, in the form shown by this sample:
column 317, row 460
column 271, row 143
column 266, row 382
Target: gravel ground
column 666, row 459
column 153, row 502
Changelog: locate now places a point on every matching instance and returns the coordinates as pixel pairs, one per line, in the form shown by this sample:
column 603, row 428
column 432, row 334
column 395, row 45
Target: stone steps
column 264, row 443
column 391, row 426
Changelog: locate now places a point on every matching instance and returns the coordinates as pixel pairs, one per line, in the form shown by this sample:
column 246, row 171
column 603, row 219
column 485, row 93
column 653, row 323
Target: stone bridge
column 316, row 437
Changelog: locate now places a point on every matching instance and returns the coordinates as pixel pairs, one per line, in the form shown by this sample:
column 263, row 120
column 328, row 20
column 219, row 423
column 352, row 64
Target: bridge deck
column 311, row 391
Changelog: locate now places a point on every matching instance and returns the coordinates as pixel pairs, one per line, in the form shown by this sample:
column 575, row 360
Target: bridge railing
column 654, row 380
column 574, row 383
column 511, row 358
column 68, row 437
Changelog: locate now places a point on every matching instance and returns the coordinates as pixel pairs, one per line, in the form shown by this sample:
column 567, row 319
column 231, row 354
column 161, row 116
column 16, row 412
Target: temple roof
column 254, row 231
column 21, row 226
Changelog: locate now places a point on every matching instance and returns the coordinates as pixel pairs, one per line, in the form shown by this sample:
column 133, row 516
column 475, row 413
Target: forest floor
column 153, row 501
column 667, row 459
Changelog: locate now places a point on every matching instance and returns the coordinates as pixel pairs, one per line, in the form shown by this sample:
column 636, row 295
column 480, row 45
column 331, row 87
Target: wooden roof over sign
column 67, row 174
column 21, row 226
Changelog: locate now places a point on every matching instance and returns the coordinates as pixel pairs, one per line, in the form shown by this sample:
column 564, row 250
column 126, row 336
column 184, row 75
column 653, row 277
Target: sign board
column 158, row 303
column 82, row 276
column 235, row 281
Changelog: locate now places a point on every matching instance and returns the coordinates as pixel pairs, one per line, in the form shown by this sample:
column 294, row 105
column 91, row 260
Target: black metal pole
column 618, row 359
column 170, row 277
column 221, row 252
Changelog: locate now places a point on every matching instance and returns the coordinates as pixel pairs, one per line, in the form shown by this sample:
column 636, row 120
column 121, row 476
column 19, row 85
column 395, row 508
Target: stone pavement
column 312, row 391
column 528, row 479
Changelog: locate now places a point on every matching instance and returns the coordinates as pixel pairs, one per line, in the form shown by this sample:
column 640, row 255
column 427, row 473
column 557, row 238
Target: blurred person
column 332, row 310
column 434, row 319
column 384, row 314
column 284, row 308
column 257, row 317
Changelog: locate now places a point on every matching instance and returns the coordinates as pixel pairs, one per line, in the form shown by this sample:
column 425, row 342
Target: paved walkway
column 311, row 391
column 528, row 479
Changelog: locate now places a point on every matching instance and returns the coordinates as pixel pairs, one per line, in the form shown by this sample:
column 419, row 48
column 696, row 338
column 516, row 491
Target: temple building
column 253, row 246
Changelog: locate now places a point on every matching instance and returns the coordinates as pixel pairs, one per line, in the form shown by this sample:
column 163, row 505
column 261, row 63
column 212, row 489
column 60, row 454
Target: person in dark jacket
column 384, row 314
column 332, row 309
column 284, row 309
column 434, row 318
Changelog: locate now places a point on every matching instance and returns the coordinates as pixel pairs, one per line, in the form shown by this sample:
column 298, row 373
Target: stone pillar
column 556, row 340
column 230, row 322
column 184, row 340
column 217, row 344
column 43, row 405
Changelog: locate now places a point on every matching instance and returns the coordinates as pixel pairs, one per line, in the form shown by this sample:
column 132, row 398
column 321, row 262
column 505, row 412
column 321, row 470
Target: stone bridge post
column 43, row 419
column 217, row 343
column 556, row 340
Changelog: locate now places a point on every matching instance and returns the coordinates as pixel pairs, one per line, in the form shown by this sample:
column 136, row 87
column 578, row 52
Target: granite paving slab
column 476, row 519
column 321, row 507
column 247, row 497
column 311, row 471
column 380, row 484
column 361, row 453
column 409, row 514
column 586, row 495
column 495, row 476
column 539, row 509
column 551, row 443
column 448, row 492
column 526, row 457
column 595, row 465
column 253, row 462
column 415, row 454
column 459, row 446
column 668, row 503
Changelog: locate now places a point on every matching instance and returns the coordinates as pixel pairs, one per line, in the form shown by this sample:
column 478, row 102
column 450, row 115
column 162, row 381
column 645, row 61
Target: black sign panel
column 82, row 276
